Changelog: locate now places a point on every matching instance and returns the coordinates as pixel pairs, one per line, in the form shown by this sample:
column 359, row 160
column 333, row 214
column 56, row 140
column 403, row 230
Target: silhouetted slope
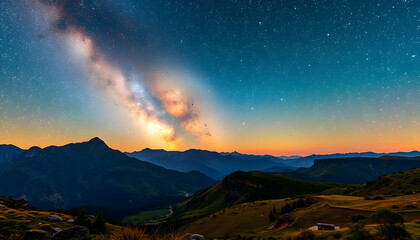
column 7, row 152
column 309, row 160
column 92, row 174
column 353, row 170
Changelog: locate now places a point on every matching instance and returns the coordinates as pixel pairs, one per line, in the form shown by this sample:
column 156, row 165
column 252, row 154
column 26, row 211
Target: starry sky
column 268, row 76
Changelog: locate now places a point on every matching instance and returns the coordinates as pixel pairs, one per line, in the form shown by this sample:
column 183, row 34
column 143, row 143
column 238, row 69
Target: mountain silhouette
column 213, row 164
column 92, row 174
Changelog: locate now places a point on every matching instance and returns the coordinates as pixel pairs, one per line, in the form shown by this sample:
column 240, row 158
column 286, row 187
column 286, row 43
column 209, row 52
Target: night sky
column 276, row 77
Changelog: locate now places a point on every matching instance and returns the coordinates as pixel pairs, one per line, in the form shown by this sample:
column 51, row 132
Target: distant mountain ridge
column 213, row 164
column 309, row 160
column 353, row 170
column 92, row 174
column 218, row 165
column 7, row 152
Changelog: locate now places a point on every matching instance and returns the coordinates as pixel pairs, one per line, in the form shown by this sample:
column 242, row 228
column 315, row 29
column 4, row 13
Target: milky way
column 135, row 96
column 273, row 76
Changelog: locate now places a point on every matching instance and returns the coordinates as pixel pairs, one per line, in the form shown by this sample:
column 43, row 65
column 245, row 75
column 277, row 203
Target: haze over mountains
column 218, row 165
column 213, row 164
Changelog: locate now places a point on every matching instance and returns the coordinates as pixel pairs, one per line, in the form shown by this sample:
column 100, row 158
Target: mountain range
column 7, row 152
column 92, row 174
column 213, row 164
column 218, row 165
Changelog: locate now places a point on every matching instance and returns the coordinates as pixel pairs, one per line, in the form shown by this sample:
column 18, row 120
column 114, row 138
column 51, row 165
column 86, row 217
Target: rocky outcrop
column 10, row 202
column 76, row 231
column 54, row 218
column 191, row 236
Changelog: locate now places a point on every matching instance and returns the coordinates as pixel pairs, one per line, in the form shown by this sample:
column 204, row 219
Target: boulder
column 78, row 232
column 54, row 218
column 191, row 236
column 71, row 220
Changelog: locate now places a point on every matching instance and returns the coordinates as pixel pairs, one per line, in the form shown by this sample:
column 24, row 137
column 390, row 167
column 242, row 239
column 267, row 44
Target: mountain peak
column 97, row 142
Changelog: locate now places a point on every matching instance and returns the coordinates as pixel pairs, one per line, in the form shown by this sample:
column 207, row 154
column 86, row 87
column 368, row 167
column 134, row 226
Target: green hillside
column 241, row 187
column 397, row 184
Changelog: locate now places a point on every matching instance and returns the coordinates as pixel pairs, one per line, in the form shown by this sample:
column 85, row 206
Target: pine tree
column 82, row 218
column 99, row 224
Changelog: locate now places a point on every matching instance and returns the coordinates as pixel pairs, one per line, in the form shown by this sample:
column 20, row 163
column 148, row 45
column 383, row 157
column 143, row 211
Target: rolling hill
column 92, row 174
column 400, row 192
column 397, row 184
column 240, row 187
column 353, row 170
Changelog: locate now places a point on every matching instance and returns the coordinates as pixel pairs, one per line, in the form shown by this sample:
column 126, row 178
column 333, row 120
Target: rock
column 2, row 206
column 54, row 218
column 76, row 231
column 35, row 235
column 57, row 229
column 71, row 220
column 191, row 236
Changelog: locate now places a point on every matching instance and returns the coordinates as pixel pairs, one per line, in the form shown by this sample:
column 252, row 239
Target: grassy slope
column 241, row 187
column 400, row 183
column 252, row 218
column 243, row 218
column 18, row 220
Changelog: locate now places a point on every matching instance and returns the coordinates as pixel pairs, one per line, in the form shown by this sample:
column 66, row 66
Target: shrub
column 357, row 217
column 358, row 231
column 378, row 197
column 99, row 224
column 391, row 224
column 83, row 219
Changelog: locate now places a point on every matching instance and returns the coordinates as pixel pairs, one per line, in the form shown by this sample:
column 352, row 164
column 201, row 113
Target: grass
column 251, row 219
column 127, row 233
column 243, row 218
column 397, row 184
column 241, row 187
column 414, row 229
column 372, row 205
column 147, row 217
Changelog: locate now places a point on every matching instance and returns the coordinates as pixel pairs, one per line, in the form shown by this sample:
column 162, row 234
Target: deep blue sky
column 265, row 76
